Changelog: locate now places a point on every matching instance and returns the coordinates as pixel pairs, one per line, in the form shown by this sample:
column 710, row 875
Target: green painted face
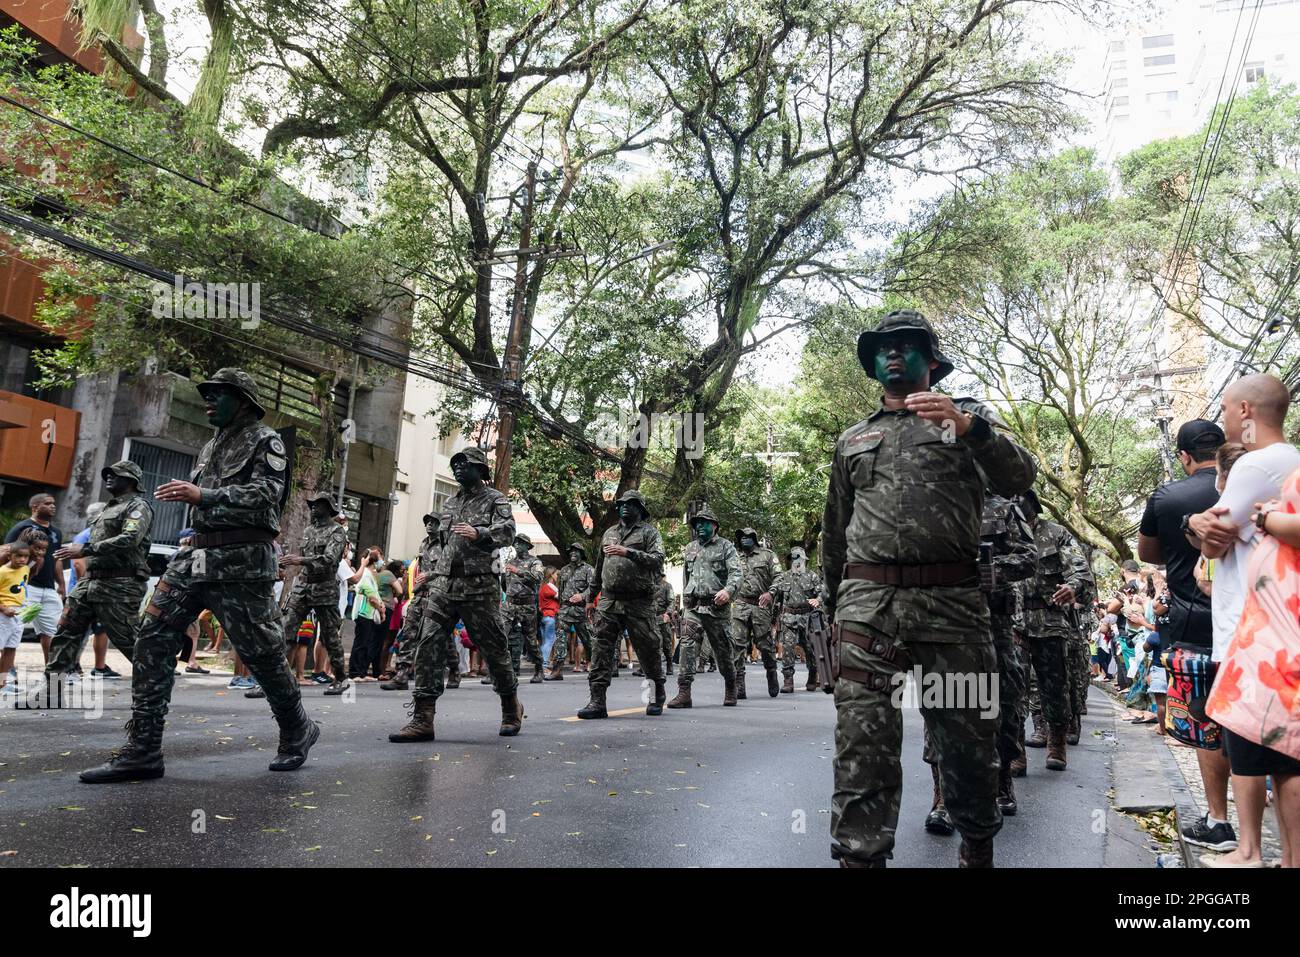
column 704, row 529
column 221, row 406
column 901, row 361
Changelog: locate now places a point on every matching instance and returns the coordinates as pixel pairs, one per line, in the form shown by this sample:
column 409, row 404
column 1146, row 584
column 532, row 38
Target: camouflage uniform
column 750, row 623
column 519, row 612
column 412, row 631
column 792, row 591
column 117, row 570
column 709, row 569
column 664, row 602
column 575, row 579
column 1049, row 628
column 317, row 587
column 904, row 505
column 627, row 586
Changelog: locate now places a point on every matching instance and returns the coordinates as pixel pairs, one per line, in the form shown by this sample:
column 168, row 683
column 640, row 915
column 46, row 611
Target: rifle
column 826, row 649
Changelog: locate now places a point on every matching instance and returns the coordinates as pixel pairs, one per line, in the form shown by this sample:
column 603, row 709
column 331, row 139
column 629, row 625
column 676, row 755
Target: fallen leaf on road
column 8, row 853
column 540, row 803
column 613, row 794
column 537, row 814
column 679, row 772
column 272, row 830
column 591, row 780
column 574, row 834
column 64, row 754
column 71, row 807
column 309, row 807
column 428, row 837
column 220, row 818
column 138, row 830
column 679, row 845
column 701, row 805
column 310, row 849
column 490, row 853
column 418, row 817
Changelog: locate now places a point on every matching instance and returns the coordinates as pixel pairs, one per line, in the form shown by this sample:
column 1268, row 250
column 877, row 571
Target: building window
column 1254, row 72
column 408, row 416
column 441, row 492
column 1165, row 96
column 1120, row 101
column 1116, row 46
column 1119, row 84
column 402, row 486
column 1165, row 60
column 1164, row 40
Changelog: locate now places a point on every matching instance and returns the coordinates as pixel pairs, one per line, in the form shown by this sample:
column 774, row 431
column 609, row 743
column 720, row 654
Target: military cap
column 632, row 495
column 752, row 533
column 236, row 379
column 324, row 497
column 577, row 547
column 706, row 513
column 429, row 515
column 126, row 469
column 474, row 456
column 901, row 320
column 521, row 537
column 798, row 552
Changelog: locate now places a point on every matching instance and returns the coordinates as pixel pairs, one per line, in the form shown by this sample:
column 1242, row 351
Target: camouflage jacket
column 792, row 591
column 575, row 579
column 710, row 569
column 1015, row 556
column 663, row 597
column 636, row 574
column 430, row 549
column 467, row 568
column 322, row 550
column 522, row 586
column 119, row 539
column 1060, row 562
column 905, row 492
column 243, row 477
column 759, row 570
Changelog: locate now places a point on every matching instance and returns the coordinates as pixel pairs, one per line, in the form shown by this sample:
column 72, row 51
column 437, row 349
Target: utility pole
column 510, row 363
column 1162, row 414
column 771, row 456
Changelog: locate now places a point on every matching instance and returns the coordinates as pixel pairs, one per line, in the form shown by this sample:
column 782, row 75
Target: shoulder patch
column 502, row 509
column 277, row 463
column 276, row 445
column 136, row 513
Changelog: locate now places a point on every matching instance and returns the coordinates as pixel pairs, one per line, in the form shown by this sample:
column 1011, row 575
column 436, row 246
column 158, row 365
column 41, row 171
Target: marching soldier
column 317, row 587
column 117, row 571
column 572, row 586
column 663, row 604
column 413, row 617
column 1061, row 579
column 474, row 523
column 711, row 577
column 901, row 535
column 629, row 564
column 751, row 615
column 236, row 495
column 523, row 578
column 797, row 592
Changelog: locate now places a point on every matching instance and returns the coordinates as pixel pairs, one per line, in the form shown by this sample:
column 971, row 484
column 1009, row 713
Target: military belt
column 95, row 574
column 797, row 609
column 913, row 576
column 234, row 536
column 747, row 601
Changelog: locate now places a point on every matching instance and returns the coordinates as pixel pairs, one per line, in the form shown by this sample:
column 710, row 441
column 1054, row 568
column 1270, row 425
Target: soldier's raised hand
column 178, row 491
column 721, row 598
column 938, row 409
column 613, row 549
column 68, row 551
column 465, row 530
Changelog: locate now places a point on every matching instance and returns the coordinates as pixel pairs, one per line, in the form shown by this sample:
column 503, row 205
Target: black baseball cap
column 1199, row 435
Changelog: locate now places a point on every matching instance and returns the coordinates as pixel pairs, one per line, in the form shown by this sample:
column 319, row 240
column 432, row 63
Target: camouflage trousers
column 328, row 622
column 794, row 632
column 752, row 626
column 113, row 602
column 869, row 741
column 695, row 629
column 666, row 640
column 570, row 621
column 250, row 618
column 413, row 632
column 519, row 622
column 482, row 617
column 1078, row 673
column 1049, row 691
column 637, row 617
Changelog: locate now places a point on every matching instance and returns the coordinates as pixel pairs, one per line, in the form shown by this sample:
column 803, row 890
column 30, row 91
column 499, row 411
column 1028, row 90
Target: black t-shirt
column 1190, row 622
column 45, row 577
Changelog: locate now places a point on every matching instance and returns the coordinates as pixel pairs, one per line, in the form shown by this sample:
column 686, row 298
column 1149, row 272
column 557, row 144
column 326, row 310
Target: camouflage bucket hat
column 576, row 547
column 707, row 515
column 236, row 379
column 126, row 469
column 324, row 497
column 797, row 553
column 902, row 320
column 475, row 456
column 430, row 515
column 632, row 495
column 740, row 532
column 521, row 537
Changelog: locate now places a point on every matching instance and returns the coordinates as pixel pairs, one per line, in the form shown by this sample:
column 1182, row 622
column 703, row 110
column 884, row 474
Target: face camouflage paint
column 914, row 360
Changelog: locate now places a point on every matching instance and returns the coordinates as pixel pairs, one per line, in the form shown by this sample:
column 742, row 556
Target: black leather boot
column 140, row 759
column 297, row 735
column 656, row 707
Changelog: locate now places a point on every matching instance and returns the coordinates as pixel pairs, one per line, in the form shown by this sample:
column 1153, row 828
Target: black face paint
column 221, row 406
column 747, row 543
column 466, row 473
column 119, row 484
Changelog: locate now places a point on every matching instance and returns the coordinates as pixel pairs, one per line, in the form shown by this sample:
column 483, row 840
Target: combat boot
column 595, row 708
column 512, row 715
column 337, row 687
column 486, row 679
column 1072, row 733
column 729, row 692
column 1006, row 792
column 140, row 759
column 637, row 672
column 297, row 735
column 453, row 678
column 787, row 686
column 255, row 692
column 656, row 707
column 683, row 699
column 773, row 685
column 938, row 821
column 1039, row 738
column 668, row 667
column 738, row 688
column 536, row 679
column 1055, row 749
column 813, row 684
column 1019, row 765
column 420, row 727
column 975, row 853
column 400, row 680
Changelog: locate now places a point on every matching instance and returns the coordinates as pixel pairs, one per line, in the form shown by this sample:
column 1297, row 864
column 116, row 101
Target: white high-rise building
column 1161, row 76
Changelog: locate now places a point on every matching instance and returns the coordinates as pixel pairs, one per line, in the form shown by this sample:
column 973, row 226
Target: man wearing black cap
column 316, row 589
column 901, row 543
column 1189, row 636
column 117, row 570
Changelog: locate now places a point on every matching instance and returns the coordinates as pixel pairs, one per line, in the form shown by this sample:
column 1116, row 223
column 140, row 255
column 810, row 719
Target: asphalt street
column 712, row 786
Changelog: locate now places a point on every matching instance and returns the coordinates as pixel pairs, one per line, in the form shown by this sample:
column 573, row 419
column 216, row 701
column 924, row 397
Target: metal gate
column 162, row 465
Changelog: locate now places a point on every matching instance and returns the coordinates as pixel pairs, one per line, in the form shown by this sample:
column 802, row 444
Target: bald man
column 1254, row 409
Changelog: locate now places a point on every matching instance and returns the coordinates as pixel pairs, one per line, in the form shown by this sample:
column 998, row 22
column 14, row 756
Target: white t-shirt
column 343, row 574
column 1255, row 477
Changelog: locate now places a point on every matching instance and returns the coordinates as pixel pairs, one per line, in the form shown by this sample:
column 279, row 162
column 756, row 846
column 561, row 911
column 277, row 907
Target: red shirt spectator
column 548, row 600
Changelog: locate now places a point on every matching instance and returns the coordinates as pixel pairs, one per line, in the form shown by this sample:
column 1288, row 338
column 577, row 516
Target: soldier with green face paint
column 523, row 578
column 900, row 549
column 572, row 587
column 236, row 494
column 797, row 592
column 710, row 579
column 751, row 614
